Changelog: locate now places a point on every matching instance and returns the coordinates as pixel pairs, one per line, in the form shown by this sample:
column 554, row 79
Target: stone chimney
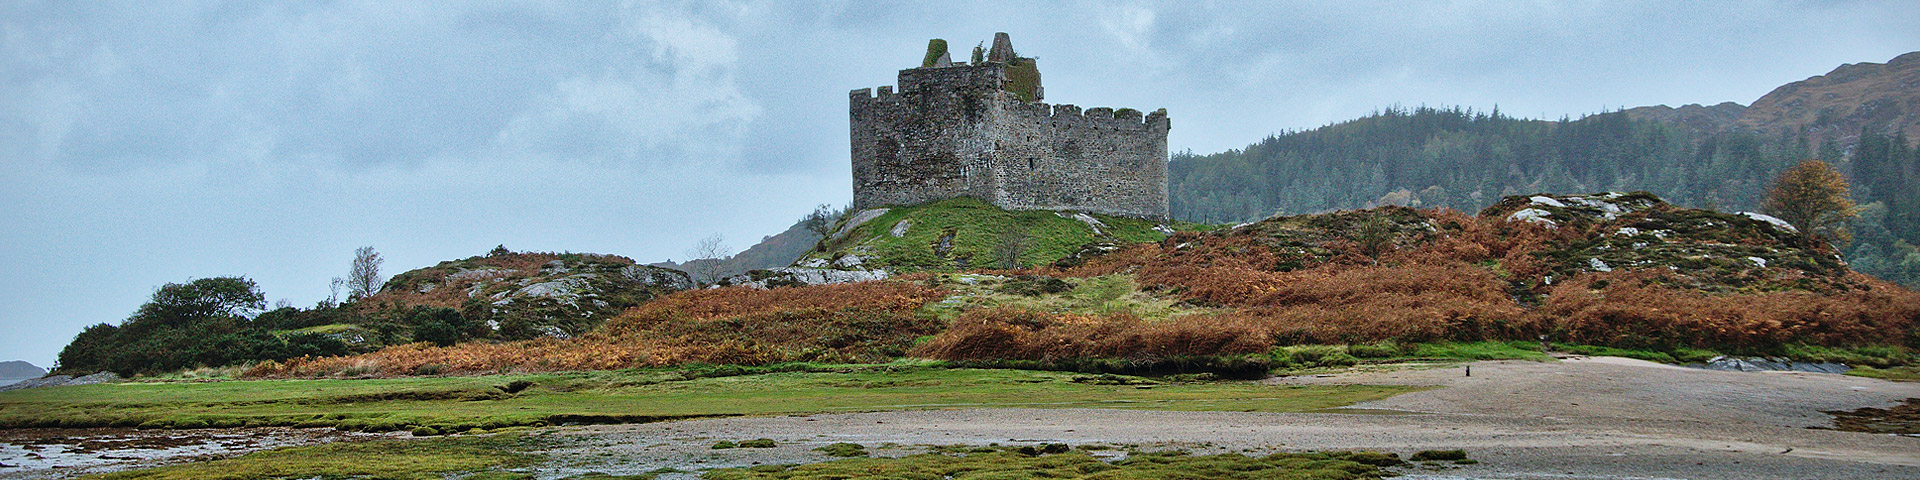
column 1002, row 48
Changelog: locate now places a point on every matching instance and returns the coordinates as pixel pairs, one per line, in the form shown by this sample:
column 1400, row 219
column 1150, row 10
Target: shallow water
column 62, row 453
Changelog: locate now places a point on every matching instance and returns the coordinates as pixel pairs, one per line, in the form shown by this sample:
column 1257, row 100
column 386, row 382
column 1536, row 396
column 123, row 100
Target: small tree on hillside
column 1014, row 242
column 708, row 259
column 1811, row 196
column 333, row 292
column 364, row 279
column 822, row 221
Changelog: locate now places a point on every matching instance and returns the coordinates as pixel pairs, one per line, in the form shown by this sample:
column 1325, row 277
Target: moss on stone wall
column 1023, row 79
column 936, row 48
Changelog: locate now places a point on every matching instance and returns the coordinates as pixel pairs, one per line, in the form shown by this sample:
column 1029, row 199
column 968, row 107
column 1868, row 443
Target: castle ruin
column 979, row 130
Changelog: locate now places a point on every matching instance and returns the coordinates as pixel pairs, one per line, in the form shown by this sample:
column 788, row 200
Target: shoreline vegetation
column 457, row 403
column 1171, row 325
column 463, row 404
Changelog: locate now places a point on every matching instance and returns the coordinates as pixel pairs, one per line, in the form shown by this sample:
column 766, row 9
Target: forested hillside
column 1463, row 159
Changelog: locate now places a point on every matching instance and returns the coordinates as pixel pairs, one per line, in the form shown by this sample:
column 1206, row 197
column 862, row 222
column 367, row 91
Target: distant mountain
column 778, row 250
column 1883, row 98
column 20, row 369
column 1692, row 117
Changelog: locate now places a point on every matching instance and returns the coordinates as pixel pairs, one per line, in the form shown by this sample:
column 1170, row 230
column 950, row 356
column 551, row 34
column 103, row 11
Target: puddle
column 1365, row 411
column 63, row 453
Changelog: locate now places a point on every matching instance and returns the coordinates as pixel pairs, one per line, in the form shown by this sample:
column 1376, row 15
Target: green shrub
column 1439, row 455
column 1314, row 356
column 1369, row 457
column 936, row 48
column 1384, row 349
column 1033, row 286
column 843, row 449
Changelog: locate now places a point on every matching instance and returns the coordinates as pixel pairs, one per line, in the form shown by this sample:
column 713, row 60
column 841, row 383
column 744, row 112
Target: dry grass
column 1460, row 285
column 1453, row 278
column 860, row 322
column 1016, row 334
column 1638, row 310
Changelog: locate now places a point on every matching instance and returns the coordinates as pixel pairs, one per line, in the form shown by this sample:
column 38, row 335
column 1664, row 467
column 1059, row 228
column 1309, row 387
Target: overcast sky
column 154, row 142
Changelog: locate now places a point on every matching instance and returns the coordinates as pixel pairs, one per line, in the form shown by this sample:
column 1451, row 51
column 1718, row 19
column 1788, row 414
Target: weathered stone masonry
column 955, row 130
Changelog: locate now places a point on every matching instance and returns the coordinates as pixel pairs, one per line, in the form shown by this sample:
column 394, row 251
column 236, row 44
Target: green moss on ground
column 1898, row 374
column 449, row 405
column 478, row 457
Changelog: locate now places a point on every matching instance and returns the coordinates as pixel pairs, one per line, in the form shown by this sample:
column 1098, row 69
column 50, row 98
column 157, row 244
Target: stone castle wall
column 954, row 131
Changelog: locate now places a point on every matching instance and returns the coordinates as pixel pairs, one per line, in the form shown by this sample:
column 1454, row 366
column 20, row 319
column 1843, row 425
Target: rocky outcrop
column 801, row 276
column 1710, row 250
column 63, row 380
column 535, row 294
column 1764, row 364
column 1578, row 234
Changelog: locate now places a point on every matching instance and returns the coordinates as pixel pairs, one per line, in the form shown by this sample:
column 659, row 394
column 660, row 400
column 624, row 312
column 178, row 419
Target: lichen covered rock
column 1706, row 249
column 801, row 276
column 534, row 294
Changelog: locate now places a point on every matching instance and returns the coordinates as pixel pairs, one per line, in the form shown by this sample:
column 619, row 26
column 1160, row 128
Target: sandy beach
column 1578, row 418
column 1581, row 418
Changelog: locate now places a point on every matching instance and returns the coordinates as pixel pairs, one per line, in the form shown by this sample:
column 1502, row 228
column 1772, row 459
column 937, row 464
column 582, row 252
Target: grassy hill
column 1620, row 273
column 964, row 233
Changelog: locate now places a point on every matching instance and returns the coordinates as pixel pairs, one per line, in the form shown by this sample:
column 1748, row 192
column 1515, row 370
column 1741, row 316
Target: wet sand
column 1598, row 418
column 38, row 453
column 1582, row 418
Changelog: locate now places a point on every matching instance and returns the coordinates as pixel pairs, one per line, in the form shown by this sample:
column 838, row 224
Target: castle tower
column 979, row 130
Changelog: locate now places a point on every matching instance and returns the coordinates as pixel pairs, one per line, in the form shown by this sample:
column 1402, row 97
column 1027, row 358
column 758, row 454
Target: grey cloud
column 143, row 143
column 370, row 83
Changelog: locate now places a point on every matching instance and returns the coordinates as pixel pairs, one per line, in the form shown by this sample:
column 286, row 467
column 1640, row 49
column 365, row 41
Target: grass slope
column 459, row 404
column 964, row 233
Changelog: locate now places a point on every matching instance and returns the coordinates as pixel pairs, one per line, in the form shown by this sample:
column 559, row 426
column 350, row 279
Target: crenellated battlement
column 1064, row 114
column 957, row 129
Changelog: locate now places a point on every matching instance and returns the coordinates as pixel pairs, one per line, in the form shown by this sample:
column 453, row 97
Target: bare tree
column 333, row 291
column 708, row 259
column 364, row 279
column 1014, row 242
